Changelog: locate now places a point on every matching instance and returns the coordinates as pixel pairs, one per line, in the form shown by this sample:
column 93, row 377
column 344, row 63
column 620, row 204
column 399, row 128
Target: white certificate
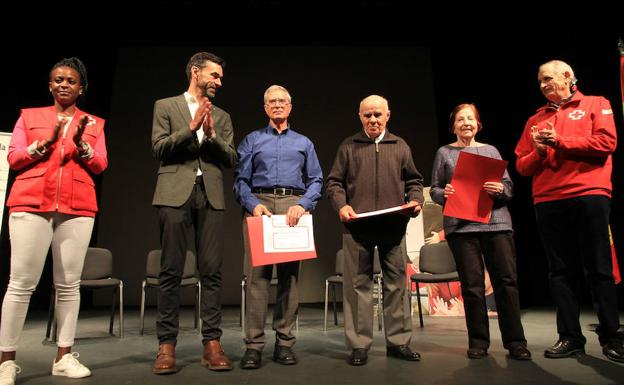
column 390, row 210
column 279, row 237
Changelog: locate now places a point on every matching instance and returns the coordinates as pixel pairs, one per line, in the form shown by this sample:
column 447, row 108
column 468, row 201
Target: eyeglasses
column 275, row 102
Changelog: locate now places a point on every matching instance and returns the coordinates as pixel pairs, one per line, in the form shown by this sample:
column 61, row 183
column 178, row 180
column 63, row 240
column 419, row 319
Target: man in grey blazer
column 194, row 141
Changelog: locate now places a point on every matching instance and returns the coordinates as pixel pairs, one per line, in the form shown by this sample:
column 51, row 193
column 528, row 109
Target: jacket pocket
column 83, row 192
column 39, row 133
column 28, row 188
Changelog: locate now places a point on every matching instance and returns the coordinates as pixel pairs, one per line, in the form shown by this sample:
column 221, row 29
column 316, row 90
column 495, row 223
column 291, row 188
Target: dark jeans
column 576, row 241
column 497, row 250
column 194, row 225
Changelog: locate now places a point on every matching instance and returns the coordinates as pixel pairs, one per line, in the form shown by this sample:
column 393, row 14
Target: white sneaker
column 69, row 366
column 8, row 372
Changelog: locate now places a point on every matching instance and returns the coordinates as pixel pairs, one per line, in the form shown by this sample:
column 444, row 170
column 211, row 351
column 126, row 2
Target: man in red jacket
column 566, row 147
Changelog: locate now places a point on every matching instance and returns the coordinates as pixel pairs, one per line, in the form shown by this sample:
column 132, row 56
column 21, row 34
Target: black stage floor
column 442, row 343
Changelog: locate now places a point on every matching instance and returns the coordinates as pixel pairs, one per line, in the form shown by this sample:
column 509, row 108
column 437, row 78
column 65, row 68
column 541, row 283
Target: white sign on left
column 5, row 138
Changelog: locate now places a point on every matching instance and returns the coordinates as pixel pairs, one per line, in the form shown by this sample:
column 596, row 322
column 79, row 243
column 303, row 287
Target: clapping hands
column 45, row 143
column 203, row 118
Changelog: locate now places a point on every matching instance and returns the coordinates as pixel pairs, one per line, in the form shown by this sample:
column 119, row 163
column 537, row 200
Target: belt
column 278, row 191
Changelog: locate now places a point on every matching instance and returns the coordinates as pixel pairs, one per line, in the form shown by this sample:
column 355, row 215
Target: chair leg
column 196, row 314
column 420, row 317
column 51, row 310
column 121, row 309
column 112, row 315
column 199, row 320
column 242, row 306
column 54, row 331
column 142, row 307
column 335, row 304
column 325, row 318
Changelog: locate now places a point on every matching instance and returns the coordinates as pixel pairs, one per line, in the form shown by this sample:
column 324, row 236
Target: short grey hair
column 560, row 67
column 275, row 87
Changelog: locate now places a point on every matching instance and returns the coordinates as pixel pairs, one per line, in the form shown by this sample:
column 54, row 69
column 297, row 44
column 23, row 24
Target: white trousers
column 31, row 236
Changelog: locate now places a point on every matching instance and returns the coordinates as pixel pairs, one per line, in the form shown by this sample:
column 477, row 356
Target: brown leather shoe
column 214, row 357
column 165, row 360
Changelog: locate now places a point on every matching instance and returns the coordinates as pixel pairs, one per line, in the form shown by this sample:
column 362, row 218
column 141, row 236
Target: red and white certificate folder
column 470, row 201
column 272, row 241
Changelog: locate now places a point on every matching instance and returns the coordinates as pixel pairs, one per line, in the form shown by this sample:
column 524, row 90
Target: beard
column 208, row 89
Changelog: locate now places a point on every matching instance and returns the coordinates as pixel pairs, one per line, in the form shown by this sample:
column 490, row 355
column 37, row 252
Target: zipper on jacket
column 60, row 176
column 376, row 175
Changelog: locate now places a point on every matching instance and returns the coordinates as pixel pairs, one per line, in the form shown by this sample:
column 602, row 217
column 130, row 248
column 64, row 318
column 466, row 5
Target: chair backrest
column 152, row 266
column 98, row 264
column 436, row 258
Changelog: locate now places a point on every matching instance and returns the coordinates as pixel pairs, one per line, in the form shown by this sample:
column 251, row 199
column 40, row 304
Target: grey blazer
column 180, row 153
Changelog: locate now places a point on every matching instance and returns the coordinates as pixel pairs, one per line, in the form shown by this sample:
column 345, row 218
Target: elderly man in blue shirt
column 278, row 173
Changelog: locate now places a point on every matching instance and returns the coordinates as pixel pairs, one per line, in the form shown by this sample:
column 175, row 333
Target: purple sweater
column 443, row 169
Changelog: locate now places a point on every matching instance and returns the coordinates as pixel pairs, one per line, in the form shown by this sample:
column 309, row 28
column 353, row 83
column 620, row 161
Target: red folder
column 256, row 247
column 470, row 201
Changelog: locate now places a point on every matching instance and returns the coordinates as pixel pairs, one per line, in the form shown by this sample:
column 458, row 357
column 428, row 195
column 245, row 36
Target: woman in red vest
column 56, row 151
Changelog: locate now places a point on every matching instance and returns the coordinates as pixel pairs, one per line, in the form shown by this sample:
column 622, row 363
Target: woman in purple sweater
column 474, row 244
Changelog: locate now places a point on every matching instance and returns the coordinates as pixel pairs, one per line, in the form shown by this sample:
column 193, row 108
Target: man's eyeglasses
column 275, row 102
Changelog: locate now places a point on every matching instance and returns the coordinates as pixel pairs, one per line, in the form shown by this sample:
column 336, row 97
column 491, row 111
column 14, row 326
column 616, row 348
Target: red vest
column 60, row 180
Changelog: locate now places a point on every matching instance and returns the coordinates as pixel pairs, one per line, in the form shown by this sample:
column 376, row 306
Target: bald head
column 374, row 115
column 374, row 100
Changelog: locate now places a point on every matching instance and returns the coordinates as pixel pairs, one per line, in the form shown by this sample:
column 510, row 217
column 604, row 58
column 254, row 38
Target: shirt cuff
column 32, row 149
column 305, row 203
column 87, row 151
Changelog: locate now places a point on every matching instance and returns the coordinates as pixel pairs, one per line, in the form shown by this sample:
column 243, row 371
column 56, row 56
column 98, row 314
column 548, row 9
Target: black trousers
column 194, row 225
column 497, row 250
column 576, row 241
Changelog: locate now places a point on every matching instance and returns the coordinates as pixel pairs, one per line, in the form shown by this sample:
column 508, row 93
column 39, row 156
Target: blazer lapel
column 180, row 102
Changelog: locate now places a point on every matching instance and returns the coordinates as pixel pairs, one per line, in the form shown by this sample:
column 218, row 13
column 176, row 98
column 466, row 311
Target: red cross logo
column 576, row 114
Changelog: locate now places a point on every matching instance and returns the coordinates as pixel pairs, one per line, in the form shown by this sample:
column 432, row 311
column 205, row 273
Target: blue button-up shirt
column 268, row 159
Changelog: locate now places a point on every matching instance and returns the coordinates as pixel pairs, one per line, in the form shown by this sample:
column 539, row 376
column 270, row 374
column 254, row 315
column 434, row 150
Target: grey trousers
column 358, row 285
column 258, row 287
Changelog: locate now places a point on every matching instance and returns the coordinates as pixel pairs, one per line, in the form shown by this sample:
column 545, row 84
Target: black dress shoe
column 252, row 359
column 402, row 352
column 358, row 357
column 284, row 355
column 614, row 351
column 564, row 348
column 520, row 353
column 476, row 353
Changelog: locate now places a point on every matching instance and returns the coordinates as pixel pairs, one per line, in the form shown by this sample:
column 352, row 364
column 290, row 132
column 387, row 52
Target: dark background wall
column 423, row 77
column 326, row 84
